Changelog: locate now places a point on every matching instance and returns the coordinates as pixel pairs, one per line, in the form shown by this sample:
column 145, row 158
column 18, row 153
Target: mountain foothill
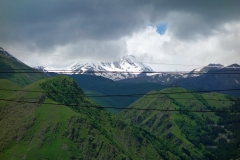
column 49, row 115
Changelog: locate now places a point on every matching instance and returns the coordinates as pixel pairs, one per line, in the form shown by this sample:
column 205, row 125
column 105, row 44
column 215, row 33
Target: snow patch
column 236, row 81
column 126, row 67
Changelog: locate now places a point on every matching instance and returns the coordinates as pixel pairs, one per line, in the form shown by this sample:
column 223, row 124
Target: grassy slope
column 217, row 100
column 6, row 84
column 162, row 124
column 8, row 65
column 187, row 130
column 103, row 101
column 45, row 131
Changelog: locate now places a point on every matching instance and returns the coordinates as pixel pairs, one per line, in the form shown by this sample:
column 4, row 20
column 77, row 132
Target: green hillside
column 104, row 101
column 193, row 132
column 57, row 121
column 5, row 85
column 10, row 69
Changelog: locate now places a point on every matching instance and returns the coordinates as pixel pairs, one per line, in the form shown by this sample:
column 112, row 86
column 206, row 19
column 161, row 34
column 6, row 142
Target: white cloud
column 221, row 47
column 81, row 51
column 149, row 46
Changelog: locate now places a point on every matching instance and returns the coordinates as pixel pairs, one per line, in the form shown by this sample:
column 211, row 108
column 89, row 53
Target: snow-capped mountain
column 164, row 78
column 126, row 67
column 2, row 51
column 167, row 78
column 219, row 77
column 199, row 71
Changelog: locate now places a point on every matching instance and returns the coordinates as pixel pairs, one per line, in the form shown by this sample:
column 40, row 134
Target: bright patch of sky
column 161, row 28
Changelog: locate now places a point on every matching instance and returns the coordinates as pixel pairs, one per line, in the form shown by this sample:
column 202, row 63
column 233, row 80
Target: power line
column 128, row 95
column 126, row 72
column 105, row 60
column 236, row 70
column 128, row 108
column 69, row 70
column 220, row 100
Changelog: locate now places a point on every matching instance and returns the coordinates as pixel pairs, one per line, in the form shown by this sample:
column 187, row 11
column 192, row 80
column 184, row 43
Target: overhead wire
column 105, row 59
column 147, row 95
column 220, row 100
column 124, row 72
column 127, row 95
column 78, row 71
column 123, row 108
column 235, row 69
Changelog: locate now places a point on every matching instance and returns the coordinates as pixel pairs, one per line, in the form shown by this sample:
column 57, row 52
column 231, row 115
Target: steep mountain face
column 215, row 77
column 5, row 53
column 126, row 67
column 13, row 69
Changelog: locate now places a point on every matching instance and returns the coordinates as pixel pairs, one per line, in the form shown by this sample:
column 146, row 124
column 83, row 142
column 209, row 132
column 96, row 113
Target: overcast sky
column 164, row 31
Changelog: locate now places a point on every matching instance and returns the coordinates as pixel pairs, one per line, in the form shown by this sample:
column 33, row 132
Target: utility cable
column 146, row 96
column 127, row 95
column 128, row 108
column 105, row 59
column 124, row 72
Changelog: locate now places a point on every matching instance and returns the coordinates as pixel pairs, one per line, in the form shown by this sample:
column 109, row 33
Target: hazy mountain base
column 215, row 79
column 188, row 130
column 104, row 86
column 47, row 131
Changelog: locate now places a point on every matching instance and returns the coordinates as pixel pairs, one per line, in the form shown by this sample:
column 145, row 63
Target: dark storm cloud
column 50, row 23
column 196, row 18
column 46, row 24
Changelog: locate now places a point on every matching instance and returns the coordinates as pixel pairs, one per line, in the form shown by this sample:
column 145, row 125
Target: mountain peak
column 126, row 67
column 215, row 65
column 5, row 53
column 128, row 57
column 234, row 65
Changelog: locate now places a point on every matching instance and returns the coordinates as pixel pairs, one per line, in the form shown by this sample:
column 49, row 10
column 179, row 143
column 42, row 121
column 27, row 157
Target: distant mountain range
column 199, row 71
column 167, row 78
column 129, row 70
column 211, row 77
column 126, row 67
column 216, row 78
